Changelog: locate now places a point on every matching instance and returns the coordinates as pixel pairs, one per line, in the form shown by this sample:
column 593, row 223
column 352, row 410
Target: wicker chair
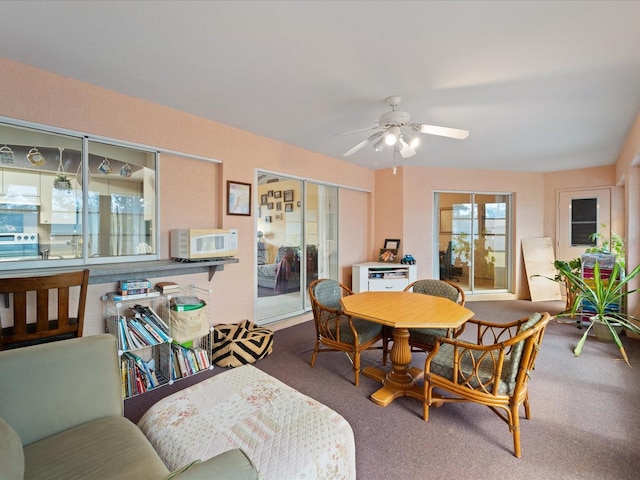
column 337, row 331
column 68, row 321
column 494, row 372
column 423, row 339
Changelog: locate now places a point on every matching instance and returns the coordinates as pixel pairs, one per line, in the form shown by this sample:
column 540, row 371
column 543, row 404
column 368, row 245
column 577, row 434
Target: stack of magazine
column 183, row 303
column 145, row 328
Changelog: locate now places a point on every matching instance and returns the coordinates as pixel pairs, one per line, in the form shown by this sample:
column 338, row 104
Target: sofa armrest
column 49, row 388
column 230, row 465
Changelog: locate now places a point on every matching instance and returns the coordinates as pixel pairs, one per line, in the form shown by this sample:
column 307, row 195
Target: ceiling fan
column 394, row 129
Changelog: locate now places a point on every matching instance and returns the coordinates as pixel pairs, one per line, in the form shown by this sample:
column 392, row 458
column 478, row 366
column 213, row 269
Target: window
column 584, row 221
column 71, row 199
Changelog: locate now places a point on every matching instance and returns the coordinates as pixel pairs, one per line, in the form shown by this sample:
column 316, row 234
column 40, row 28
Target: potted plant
column 61, row 182
column 601, row 294
column 574, row 266
column 615, row 246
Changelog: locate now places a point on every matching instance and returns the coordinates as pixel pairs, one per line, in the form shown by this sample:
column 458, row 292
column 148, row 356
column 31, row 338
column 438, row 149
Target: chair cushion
column 239, row 344
column 366, row 330
column 437, row 288
column 426, row 336
column 509, row 374
column 328, row 293
column 12, row 457
column 111, row 448
column 442, row 363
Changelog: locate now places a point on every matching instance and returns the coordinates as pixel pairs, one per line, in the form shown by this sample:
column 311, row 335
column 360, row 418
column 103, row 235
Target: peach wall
column 555, row 182
column 415, row 195
column 628, row 175
column 389, row 210
column 403, row 204
column 192, row 192
column 355, row 232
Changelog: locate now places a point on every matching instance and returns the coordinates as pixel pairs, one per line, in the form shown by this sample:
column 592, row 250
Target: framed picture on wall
column 263, row 199
column 288, row 207
column 238, row 198
column 270, row 205
column 267, row 219
column 277, row 194
column 278, row 205
column 288, row 195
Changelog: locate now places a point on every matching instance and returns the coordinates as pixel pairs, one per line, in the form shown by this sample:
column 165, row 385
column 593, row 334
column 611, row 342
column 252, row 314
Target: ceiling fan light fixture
column 392, row 135
column 379, row 145
column 413, row 141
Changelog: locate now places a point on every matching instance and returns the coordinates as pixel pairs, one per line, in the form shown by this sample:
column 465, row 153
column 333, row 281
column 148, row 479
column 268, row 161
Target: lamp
column 379, row 145
column 412, row 140
column 392, row 135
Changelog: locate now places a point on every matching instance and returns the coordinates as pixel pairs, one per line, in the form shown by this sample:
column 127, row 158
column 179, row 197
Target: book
column 167, row 287
column 148, row 315
column 134, row 284
column 136, row 291
column 186, row 303
column 117, row 297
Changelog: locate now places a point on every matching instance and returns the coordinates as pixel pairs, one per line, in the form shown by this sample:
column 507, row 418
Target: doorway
column 473, row 240
column 296, row 241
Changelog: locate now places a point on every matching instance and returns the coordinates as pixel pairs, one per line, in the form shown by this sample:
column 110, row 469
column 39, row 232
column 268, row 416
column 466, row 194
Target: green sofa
column 61, row 417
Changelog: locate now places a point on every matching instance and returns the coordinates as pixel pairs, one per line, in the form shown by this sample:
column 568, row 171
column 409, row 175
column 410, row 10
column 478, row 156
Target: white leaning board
column 538, row 260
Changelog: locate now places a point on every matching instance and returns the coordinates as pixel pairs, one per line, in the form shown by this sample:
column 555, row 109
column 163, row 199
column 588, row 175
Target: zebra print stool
column 241, row 343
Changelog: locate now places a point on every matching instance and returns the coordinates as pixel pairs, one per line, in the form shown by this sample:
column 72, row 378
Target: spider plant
column 601, row 294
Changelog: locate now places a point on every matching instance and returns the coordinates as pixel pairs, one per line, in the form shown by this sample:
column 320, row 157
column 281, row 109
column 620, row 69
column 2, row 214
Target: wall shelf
column 114, row 272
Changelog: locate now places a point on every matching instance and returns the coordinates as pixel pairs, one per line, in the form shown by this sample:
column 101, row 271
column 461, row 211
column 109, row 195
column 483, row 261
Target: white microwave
column 203, row 243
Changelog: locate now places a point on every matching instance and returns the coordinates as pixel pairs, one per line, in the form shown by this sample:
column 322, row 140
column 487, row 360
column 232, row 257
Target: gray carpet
column 585, row 411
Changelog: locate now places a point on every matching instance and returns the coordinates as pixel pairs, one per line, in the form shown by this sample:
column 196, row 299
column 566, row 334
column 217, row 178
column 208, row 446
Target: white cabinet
column 381, row 277
column 23, row 184
column 124, row 187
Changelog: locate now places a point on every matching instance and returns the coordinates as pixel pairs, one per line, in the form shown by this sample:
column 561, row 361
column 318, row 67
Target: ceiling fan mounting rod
column 393, row 101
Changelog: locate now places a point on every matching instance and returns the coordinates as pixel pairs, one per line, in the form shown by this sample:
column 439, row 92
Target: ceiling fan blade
column 358, row 130
column 406, row 150
column 362, row 144
column 442, row 131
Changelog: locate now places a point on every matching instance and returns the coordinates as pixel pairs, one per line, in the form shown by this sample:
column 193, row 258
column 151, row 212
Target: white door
column 580, row 214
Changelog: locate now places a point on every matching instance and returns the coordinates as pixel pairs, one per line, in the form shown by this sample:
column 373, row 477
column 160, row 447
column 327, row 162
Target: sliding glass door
column 473, row 240
column 296, row 242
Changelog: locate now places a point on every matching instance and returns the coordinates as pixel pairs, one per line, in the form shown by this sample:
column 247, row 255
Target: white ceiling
column 541, row 86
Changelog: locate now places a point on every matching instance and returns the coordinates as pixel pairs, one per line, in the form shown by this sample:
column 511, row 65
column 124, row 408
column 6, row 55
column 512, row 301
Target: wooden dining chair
column 423, row 339
column 43, row 308
column 494, row 372
column 337, row 332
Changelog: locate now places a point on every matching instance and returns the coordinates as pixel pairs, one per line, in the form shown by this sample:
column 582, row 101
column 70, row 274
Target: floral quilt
column 286, row 434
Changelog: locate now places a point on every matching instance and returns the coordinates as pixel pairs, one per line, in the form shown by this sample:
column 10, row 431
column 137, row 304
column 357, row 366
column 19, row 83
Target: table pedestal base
column 401, row 380
column 392, row 388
